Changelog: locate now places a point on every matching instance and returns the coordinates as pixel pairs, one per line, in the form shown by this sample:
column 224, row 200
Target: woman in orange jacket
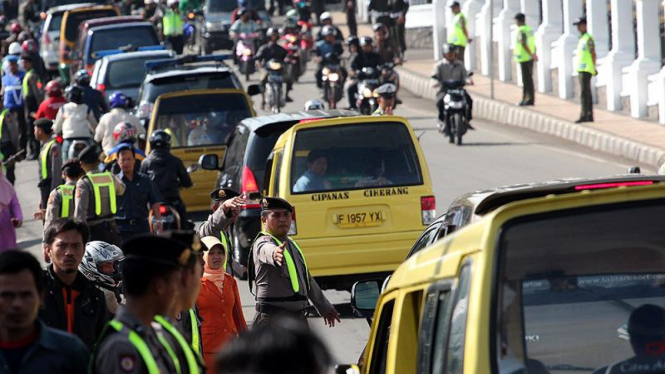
column 219, row 303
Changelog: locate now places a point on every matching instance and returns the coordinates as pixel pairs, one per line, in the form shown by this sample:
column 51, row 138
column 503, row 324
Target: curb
column 507, row 114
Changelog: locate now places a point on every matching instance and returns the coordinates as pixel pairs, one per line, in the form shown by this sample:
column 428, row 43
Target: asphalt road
column 493, row 155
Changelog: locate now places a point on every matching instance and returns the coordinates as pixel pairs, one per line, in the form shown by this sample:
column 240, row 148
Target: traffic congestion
column 245, row 187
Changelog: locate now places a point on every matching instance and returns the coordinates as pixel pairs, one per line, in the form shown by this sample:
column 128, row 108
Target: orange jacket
column 222, row 316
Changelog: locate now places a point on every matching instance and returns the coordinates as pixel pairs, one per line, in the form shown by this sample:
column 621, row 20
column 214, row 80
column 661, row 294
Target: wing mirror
column 209, row 162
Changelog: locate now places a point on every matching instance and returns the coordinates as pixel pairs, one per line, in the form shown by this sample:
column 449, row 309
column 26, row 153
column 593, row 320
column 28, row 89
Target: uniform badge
column 50, row 200
column 221, row 194
column 78, row 192
column 127, row 363
column 264, row 204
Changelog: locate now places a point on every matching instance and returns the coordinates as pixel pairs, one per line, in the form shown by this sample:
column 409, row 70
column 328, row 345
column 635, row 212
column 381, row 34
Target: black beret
column 173, row 248
column 44, row 124
column 222, row 194
column 580, row 20
column 90, row 154
column 72, row 163
column 520, row 17
column 270, row 203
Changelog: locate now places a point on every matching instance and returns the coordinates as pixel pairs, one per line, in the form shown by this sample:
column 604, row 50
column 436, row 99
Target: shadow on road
column 495, row 144
column 28, row 243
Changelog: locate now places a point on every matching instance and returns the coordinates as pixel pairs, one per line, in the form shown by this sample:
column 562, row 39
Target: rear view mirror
column 253, row 89
column 347, row 369
column 209, row 162
column 364, row 296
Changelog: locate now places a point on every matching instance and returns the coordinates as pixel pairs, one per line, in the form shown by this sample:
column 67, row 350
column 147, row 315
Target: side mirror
column 364, row 296
column 347, row 369
column 253, row 89
column 209, row 162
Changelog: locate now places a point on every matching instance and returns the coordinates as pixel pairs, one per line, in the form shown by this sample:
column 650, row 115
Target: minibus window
column 583, row 291
column 452, row 362
column 380, row 351
column 435, row 325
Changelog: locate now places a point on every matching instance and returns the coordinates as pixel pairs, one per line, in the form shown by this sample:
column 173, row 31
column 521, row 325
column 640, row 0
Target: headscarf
column 216, row 276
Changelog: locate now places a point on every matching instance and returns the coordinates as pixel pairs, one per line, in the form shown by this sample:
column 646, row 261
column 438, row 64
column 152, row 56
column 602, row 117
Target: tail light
column 428, row 209
column 101, row 87
column 600, row 186
column 162, row 209
column 249, row 184
column 293, row 230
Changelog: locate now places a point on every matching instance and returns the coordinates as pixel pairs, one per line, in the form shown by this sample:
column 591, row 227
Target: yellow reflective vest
column 457, row 37
column 520, row 53
column 584, row 47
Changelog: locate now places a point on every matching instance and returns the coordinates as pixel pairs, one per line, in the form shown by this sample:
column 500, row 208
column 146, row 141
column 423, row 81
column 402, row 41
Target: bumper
column 217, row 39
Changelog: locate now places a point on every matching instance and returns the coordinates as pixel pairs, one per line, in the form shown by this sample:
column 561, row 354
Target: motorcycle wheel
column 332, row 102
column 459, row 122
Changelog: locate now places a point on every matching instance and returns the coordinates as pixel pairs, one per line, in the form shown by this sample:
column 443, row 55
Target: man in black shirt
column 365, row 59
column 267, row 52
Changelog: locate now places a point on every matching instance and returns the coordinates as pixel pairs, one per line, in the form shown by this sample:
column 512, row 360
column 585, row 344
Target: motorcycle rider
column 314, row 104
column 325, row 49
column 101, row 265
column 75, row 121
column 166, row 171
column 450, row 68
column 49, row 107
column 353, row 43
column 104, row 133
column 386, row 51
column 244, row 4
column 92, row 98
column 385, row 12
column 327, row 20
column 267, row 52
column 245, row 25
column 366, row 58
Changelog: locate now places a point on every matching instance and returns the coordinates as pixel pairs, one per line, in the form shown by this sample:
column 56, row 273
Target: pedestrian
column 350, row 10
column 50, row 162
column 9, row 142
column 386, row 99
column 173, row 27
column 95, row 198
column 104, row 133
column 219, row 302
column 12, row 92
column 60, row 202
column 33, row 95
column 72, row 303
column 151, row 273
column 283, row 346
column 27, row 345
column 11, row 216
column 525, row 55
column 458, row 37
column 279, row 269
column 49, row 108
column 586, row 68
column 140, row 194
column 74, row 121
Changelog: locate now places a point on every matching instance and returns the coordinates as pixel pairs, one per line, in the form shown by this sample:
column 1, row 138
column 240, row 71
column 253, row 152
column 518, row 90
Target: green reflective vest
column 67, row 196
column 457, row 37
column 291, row 265
column 520, row 53
column 26, row 82
column 172, row 23
column 192, row 363
column 225, row 244
column 584, row 54
column 99, row 180
column 196, row 338
column 43, row 157
column 141, row 347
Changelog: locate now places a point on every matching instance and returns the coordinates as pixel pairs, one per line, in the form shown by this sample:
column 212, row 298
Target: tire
column 332, row 100
column 459, row 122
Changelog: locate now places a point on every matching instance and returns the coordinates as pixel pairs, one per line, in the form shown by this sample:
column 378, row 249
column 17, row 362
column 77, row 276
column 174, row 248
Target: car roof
column 255, row 123
column 91, row 7
column 64, row 8
column 137, row 55
column 189, row 69
column 119, row 25
column 96, row 22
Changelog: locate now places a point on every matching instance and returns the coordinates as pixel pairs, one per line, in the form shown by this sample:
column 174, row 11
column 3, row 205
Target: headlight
column 456, row 104
column 274, row 65
column 333, row 77
column 367, row 92
column 292, row 38
column 247, row 52
column 326, row 71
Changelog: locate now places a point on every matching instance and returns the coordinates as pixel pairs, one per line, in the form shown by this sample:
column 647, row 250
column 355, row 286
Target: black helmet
column 82, row 78
column 160, row 139
column 366, row 40
column 242, row 12
column 447, row 48
column 74, row 94
column 328, row 30
column 272, row 31
column 378, row 26
column 352, row 40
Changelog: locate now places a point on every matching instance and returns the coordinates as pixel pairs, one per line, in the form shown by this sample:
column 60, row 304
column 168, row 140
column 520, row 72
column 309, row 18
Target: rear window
column 127, row 73
column 122, row 37
column 357, row 156
column 583, row 291
column 201, row 120
column 56, row 22
column 74, row 19
column 160, row 86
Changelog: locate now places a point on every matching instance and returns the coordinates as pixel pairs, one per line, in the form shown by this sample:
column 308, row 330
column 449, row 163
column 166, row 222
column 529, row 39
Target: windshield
column 115, row 38
column 357, row 156
column 160, row 86
column 584, row 292
column 127, row 73
column 198, row 120
column 74, row 19
column 221, row 6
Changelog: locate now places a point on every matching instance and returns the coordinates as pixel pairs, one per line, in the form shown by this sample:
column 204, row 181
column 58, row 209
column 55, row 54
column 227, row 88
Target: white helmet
column 314, row 104
column 325, row 16
column 15, row 48
column 171, row 2
column 96, row 254
column 146, row 2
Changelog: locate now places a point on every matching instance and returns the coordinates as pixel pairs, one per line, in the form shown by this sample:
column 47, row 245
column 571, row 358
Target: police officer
column 172, row 26
column 50, row 160
column 33, row 94
column 459, row 37
column 132, row 343
column 586, row 68
column 95, row 201
column 279, row 269
column 386, row 99
column 61, row 199
column 525, row 55
column 385, row 11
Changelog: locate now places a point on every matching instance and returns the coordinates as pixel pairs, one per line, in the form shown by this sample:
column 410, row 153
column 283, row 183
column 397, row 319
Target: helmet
column 118, row 100
column 447, row 48
column 365, row 40
column 243, row 3
column 314, row 104
column 74, row 94
column 380, row 27
column 328, row 30
column 352, row 40
column 147, row 2
column 101, row 262
column 325, row 16
column 242, row 12
column 29, row 46
column 15, row 48
column 54, row 88
column 15, row 28
column 292, row 15
column 160, row 139
column 82, row 78
column 272, row 31
column 171, row 2
column 124, row 132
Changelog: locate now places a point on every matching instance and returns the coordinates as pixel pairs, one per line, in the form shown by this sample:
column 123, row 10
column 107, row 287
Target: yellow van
column 199, row 122
column 560, row 284
column 361, row 191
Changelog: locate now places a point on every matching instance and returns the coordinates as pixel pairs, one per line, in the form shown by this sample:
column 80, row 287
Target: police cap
column 272, row 203
column 454, row 4
column 386, row 90
column 581, row 20
column 12, row 58
column 26, row 57
column 90, row 154
column 74, row 165
column 45, row 124
column 171, row 248
column 222, row 194
column 520, row 17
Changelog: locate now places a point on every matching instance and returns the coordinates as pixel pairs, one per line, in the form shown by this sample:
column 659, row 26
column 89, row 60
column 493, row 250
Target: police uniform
column 524, row 58
column 191, row 331
column 95, row 200
column 386, row 90
column 61, row 199
column 457, row 37
column 50, row 164
column 283, row 289
column 586, row 69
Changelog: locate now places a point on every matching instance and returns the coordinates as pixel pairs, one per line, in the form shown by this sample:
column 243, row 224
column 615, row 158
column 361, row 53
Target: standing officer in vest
column 586, row 68
column 133, row 342
column 33, row 94
column 172, row 26
column 61, row 200
column 50, row 161
column 459, row 35
column 95, row 201
column 525, row 55
column 279, row 269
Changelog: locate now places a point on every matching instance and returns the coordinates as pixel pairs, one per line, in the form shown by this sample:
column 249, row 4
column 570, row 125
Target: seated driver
column 312, row 179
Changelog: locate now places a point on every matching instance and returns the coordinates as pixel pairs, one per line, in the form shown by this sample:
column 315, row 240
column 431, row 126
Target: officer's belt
column 294, row 297
column 273, row 310
column 100, row 221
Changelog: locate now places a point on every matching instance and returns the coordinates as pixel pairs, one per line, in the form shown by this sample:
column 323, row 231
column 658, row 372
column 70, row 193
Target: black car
column 244, row 166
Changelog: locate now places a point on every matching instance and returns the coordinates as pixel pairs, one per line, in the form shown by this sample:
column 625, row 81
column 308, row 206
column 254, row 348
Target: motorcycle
column 368, row 81
column 170, row 218
column 387, row 73
column 294, row 66
column 333, row 82
column 306, row 37
column 455, row 109
column 245, row 52
column 275, row 84
column 190, row 31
